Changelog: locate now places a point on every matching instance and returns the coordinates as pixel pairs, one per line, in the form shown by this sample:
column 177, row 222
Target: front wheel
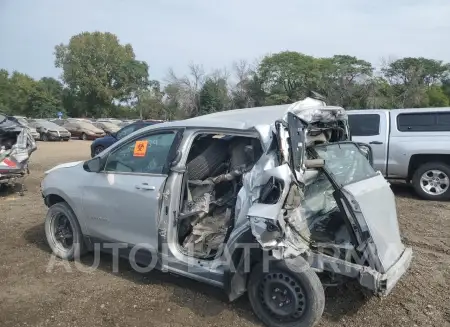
column 281, row 297
column 63, row 232
column 44, row 137
column 431, row 181
column 84, row 137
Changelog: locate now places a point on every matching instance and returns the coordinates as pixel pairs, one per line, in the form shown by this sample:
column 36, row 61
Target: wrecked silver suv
column 276, row 201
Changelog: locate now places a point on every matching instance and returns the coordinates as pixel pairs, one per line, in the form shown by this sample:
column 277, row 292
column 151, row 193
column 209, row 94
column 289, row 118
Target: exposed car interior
column 211, row 184
column 215, row 167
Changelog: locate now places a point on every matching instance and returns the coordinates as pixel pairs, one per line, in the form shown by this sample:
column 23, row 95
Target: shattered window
column 345, row 162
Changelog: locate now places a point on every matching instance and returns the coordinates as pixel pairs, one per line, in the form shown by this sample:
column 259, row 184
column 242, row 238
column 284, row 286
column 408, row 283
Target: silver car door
column 123, row 202
column 372, row 128
column 368, row 201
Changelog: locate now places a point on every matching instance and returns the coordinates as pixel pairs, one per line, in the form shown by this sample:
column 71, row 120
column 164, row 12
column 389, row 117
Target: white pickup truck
column 408, row 144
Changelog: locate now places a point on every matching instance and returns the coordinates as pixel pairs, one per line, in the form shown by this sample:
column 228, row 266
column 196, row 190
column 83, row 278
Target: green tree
column 98, row 69
column 345, row 80
column 412, row 77
column 288, row 76
column 437, row 97
column 213, row 96
column 150, row 102
column 5, row 92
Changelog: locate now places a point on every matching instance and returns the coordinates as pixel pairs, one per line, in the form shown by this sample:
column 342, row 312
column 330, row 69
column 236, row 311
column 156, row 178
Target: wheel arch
column 53, row 196
column 418, row 160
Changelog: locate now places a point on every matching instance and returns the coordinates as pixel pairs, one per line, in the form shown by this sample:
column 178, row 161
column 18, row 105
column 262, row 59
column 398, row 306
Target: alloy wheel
column 434, row 182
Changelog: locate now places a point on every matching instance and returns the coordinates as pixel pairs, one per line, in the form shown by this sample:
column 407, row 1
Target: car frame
column 266, row 251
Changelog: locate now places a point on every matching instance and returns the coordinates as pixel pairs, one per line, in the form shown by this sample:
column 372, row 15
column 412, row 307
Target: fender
column 55, row 191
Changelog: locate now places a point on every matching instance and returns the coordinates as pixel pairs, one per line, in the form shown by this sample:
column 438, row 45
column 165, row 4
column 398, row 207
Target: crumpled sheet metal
column 252, row 182
column 282, row 243
column 312, row 111
column 25, row 143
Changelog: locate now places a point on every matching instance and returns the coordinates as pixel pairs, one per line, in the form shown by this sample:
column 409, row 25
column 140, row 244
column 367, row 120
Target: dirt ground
column 32, row 296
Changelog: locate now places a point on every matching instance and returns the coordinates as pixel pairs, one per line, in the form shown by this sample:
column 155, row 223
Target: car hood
column 64, row 165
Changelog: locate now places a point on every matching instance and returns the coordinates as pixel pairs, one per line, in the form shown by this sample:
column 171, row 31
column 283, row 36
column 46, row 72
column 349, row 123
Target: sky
column 174, row 33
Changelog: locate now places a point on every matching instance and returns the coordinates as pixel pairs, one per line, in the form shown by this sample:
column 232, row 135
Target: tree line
column 102, row 78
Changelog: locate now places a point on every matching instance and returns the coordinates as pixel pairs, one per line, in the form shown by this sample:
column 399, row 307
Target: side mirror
column 93, row 165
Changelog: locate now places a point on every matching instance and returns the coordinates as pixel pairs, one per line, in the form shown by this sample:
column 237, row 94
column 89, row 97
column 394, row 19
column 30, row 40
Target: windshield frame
column 332, row 174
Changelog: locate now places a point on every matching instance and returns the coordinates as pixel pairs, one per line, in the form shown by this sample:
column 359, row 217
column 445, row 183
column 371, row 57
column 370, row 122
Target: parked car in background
column 83, row 130
column 102, row 143
column 63, row 121
column 23, row 121
column 274, row 201
column 49, row 131
column 111, row 120
column 408, row 144
column 107, row 127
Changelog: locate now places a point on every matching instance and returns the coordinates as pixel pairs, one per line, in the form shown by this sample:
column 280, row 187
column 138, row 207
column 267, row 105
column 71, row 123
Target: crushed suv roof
column 308, row 109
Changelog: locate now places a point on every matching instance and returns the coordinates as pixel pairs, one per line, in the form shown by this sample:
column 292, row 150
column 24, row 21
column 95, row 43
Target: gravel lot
column 31, row 296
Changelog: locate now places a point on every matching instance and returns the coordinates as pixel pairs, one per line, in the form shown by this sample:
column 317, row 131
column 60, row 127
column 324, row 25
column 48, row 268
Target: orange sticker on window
column 140, row 149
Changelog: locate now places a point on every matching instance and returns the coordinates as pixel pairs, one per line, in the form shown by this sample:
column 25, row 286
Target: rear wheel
column 44, row 137
column 84, row 137
column 431, row 181
column 63, row 232
column 284, row 298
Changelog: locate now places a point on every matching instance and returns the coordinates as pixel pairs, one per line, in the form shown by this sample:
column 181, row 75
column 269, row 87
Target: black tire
column 98, row 149
column 44, row 137
column 77, row 247
column 303, row 288
column 83, row 136
column 436, row 167
column 66, row 140
column 208, row 161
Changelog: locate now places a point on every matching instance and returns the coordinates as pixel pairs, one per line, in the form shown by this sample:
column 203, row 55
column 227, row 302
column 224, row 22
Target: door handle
column 145, row 187
column 375, row 142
